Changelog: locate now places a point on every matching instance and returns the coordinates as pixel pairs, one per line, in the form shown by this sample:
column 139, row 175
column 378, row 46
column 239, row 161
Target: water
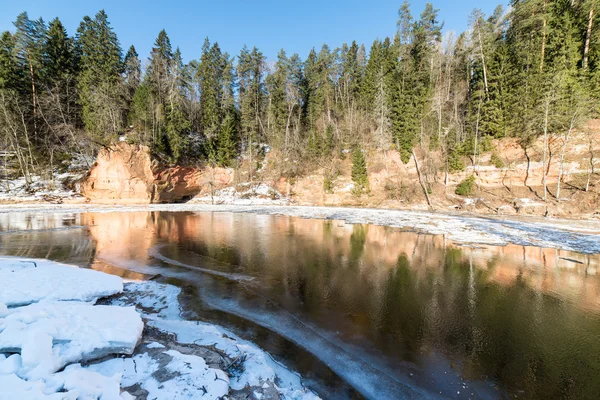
column 359, row 310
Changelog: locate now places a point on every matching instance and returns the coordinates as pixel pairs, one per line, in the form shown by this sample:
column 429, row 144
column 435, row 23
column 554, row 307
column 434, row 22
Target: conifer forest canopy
column 519, row 72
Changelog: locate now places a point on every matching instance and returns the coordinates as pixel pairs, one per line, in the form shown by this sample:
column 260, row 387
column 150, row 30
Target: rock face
column 125, row 173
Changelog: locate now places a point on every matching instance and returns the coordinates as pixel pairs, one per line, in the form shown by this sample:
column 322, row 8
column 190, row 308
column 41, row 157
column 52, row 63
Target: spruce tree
column 359, row 170
column 99, row 81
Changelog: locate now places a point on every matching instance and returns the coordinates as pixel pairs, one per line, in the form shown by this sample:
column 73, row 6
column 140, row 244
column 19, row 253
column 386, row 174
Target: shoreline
column 464, row 229
column 169, row 356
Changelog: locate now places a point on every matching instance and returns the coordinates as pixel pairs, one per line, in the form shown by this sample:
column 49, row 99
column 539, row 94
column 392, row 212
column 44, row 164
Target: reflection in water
column 408, row 310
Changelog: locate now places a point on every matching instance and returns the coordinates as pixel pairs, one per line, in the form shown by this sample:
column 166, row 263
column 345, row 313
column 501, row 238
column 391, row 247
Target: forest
column 528, row 70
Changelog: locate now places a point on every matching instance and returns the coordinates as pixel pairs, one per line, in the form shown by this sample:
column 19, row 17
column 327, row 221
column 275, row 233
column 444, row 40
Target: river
column 360, row 311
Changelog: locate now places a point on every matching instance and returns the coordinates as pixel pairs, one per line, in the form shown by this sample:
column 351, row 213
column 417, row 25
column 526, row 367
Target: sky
column 296, row 26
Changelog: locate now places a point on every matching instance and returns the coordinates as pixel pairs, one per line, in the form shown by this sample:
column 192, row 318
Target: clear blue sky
column 296, row 26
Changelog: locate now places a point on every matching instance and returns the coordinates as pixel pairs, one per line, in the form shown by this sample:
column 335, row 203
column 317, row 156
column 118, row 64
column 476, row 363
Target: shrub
column 496, row 160
column 466, row 187
column 327, row 184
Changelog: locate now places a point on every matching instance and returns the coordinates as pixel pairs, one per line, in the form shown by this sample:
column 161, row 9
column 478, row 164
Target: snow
column 87, row 384
column 259, row 367
column 39, row 188
column 572, row 235
column 155, row 300
column 50, row 335
column 194, row 378
column 26, row 281
column 45, row 327
column 14, row 387
column 244, row 194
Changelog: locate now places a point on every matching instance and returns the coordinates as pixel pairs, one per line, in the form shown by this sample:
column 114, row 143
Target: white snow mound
column 26, row 281
column 50, row 335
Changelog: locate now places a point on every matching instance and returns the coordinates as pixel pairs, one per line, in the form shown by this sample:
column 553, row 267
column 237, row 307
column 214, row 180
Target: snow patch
column 26, row 281
column 259, row 367
column 50, row 335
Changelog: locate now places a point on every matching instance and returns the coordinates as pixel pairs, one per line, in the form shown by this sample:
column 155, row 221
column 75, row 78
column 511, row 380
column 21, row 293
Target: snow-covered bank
column 49, row 342
column 40, row 189
column 581, row 236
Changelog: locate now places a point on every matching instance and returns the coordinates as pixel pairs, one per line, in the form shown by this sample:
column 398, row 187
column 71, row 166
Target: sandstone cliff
column 125, row 173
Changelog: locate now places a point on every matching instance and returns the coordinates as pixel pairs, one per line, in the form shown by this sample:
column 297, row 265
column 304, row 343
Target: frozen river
column 361, row 309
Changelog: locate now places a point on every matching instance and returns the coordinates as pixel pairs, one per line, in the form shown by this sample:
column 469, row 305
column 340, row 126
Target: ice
column 152, row 297
column 155, row 252
column 10, row 365
column 85, row 383
column 581, row 235
column 259, row 367
column 50, row 335
column 14, row 388
column 194, row 379
column 26, row 281
column 190, row 377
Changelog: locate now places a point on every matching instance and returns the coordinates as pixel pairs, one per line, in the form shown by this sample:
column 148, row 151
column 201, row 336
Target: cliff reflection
column 527, row 318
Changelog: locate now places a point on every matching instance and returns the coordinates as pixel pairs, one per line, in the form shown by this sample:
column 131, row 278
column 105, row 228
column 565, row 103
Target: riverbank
column 70, row 333
column 465, row 229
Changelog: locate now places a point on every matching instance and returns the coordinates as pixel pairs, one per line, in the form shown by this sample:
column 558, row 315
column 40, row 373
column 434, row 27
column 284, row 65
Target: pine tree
column 30, row 37
column 277, row 84
column 132, row 72
column 251, row 98
column 209, row 77
column 359, row 171
column 227, row 141
column 99, row 81
column 59, row 57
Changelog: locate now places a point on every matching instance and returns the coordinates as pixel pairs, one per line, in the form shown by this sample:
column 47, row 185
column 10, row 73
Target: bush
column 466, row 187
column 327, row 184
column 496, row 160
column 455, row 162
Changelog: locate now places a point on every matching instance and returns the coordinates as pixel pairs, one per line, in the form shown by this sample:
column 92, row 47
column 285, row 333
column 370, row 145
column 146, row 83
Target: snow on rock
column 193, row 379
column 151, row 298
column 189, row 376
column 259, row 367
column 26, row 281
column 156, row 301
column 50, row 335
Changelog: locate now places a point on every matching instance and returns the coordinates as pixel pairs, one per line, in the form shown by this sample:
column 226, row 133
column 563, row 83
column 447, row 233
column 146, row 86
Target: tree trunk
column 543, row 44
column 586, row 48
column 591, row 167
column 562, row 158
column 485, row 81
column 546, row 111
column 421, row 179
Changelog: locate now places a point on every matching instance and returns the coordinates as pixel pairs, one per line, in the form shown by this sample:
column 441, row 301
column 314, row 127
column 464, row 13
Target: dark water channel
column 358, row 310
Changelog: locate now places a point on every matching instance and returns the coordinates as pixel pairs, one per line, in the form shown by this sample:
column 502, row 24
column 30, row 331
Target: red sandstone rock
column 125, row 173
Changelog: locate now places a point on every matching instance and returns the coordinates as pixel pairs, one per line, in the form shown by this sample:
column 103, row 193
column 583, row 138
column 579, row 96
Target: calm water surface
column 358, row 310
